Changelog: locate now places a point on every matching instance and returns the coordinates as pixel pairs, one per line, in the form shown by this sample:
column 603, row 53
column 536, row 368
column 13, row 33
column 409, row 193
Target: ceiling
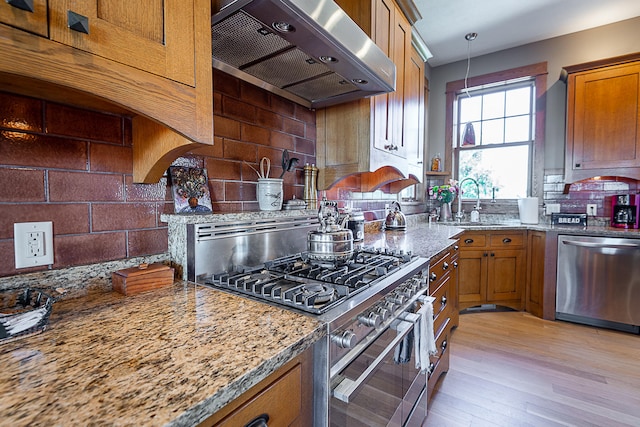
column 503, row 24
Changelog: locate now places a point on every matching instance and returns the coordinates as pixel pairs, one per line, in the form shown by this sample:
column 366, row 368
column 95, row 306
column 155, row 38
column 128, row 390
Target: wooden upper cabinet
column 155, row 35
column 414, row 106
column 27, row 15
column 603, row 121
column 365, row 135
column 150, row 60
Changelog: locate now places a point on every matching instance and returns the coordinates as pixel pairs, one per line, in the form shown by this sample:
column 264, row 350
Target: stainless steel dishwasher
column 598, row 281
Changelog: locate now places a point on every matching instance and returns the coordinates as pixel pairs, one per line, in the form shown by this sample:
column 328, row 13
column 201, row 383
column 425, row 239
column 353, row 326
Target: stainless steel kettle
column 395, row 219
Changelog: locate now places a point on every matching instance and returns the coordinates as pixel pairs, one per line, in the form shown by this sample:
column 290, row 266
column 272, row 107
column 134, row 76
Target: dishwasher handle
column 592, row 245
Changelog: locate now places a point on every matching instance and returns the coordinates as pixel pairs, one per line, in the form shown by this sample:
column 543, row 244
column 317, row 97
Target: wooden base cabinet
column 492, row 269
column 284, row 398
column 442, row 286
column 534, row 297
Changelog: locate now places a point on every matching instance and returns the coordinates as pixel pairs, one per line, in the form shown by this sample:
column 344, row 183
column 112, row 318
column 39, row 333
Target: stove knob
column 346, row 340
column 383, row 313
column 389, row 305
column 371, row 319
column 397, row 299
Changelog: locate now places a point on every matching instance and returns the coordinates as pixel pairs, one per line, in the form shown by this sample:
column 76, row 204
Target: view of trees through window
column 495, row 149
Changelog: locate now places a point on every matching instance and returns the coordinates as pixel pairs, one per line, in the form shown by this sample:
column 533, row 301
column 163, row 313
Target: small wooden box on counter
column 144, row 277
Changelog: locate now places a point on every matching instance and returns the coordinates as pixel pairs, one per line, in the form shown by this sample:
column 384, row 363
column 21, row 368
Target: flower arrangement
column 445, row 193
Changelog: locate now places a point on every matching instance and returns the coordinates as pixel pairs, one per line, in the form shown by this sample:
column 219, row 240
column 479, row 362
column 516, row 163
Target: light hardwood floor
column 514, row 369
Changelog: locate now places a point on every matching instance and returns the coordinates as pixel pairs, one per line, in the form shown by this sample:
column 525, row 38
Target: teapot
column 395, row 218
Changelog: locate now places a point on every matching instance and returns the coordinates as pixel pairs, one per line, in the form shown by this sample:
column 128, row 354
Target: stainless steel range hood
column 308, row 51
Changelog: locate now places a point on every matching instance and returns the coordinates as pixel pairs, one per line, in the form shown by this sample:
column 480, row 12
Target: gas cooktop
column 313, row 287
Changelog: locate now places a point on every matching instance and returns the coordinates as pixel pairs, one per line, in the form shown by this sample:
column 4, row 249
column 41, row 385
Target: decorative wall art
column 190, row 190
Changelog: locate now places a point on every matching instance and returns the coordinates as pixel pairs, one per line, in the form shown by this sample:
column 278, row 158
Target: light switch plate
column 552, row 208
column 33, row 243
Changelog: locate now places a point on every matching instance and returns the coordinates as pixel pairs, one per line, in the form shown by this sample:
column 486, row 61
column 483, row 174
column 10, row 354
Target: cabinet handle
column 506, row 240
column 77, row 22
column 455, row 264
column 456, row 247
column 492, row 254
column 468, row 241
column 445, row 266
column 485, row 254
column 444, row 345
column 259, row 421
column 22, row 4
column 578, row 165
column 433, row 277
column 443, row 301
column 391, row 147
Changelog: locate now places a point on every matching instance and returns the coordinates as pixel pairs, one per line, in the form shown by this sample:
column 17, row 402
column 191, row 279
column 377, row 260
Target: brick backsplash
column 575, row 197
column 74, row 167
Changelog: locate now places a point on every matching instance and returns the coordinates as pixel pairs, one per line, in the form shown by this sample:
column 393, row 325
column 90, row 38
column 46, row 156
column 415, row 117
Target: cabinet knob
column 485, row 254
column 455, row 264
column 433, row 277
column 468, row 241
column 22, row 4
column 456, row 247
column 445, row 266
column 578, row 165
column 77, row 22
column 506, row 240
column 492, row 254
column 259, row 421
column 444, row 345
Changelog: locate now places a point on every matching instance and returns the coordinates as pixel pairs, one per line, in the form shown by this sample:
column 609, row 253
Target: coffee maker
column 625, row 210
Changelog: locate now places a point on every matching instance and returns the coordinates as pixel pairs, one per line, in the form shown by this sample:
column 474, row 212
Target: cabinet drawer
column 280, row 400
column 34, row 21
column 442, row 302
column 506, row 240
column 438, row 270
column 473, row 240
column 442, row 342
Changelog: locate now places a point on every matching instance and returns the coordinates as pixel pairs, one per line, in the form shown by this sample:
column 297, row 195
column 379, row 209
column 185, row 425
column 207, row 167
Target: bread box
column 144, row 277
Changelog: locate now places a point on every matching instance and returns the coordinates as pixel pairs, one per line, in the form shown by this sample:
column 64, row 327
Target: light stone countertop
column 171, row 356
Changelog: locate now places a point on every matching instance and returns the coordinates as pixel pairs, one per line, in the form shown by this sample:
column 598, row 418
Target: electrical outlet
column 592, row 209
column 33, row 243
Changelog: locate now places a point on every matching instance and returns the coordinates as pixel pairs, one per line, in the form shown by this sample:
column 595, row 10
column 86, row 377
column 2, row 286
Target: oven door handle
column 348, row 387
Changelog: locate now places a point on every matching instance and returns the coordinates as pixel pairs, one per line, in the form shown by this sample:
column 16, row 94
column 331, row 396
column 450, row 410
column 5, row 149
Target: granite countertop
column 171, row 356
column 423, row 239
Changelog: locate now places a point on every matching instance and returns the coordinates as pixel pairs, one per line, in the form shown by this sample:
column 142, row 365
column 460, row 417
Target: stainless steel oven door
column 378, row 388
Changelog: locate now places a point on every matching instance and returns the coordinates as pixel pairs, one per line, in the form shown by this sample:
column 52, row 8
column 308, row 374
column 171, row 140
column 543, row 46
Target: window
column 495, row 137
column 495, row 132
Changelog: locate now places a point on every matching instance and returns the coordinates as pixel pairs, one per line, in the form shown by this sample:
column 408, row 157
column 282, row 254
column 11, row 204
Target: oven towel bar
column 425, row 342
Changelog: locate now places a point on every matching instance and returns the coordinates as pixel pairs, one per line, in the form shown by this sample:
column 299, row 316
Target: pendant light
column 469, row 135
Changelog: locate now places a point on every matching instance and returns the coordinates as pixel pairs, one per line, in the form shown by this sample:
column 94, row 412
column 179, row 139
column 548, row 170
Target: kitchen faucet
column 460, row 214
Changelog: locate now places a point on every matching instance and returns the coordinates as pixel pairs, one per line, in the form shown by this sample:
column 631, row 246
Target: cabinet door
column 604, row 118
column 155, row 35
column 506, row 275
column 393, row 36
column 535, row 273
column 414, row 112
column 472, row 278
column 31, row 17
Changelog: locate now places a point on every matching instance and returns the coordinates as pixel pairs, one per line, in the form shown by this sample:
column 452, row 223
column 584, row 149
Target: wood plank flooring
column 514, row 369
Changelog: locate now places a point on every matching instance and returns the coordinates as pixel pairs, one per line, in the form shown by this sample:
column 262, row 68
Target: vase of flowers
column 445, row 194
